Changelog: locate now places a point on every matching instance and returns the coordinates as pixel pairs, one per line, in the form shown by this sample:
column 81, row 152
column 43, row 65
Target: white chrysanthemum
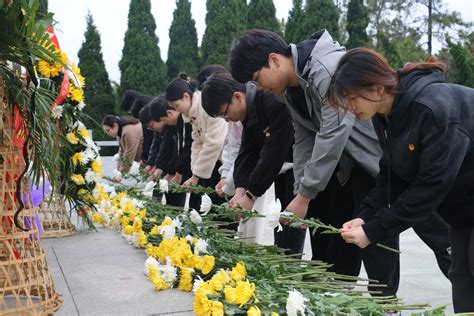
column 273, row 215
column 81, row 106
column 168, row 232
column 195, row 217
column 149, row 187
column 200, row 247
column 116, row 157
column 57, row 111
column 177, row 224
column 163, row 186
column 113, row 195
column 150, row 261
column 123, row 201
column 206, row 204
column 88, row 154
column 296, row 303
column 197, row 283
column 138, row 203
column 92, row 176
column 135, row 168
column 189, row 239
column 168, row 272
column 108, row 188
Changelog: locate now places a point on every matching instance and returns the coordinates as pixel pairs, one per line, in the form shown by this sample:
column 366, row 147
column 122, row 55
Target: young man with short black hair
column 266, row 142
column 336, row 155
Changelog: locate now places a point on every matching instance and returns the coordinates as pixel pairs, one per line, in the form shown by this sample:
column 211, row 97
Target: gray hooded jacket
column 327, row 137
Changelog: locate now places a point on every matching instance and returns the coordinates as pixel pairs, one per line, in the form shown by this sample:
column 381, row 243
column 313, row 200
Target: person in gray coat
column 336, row 155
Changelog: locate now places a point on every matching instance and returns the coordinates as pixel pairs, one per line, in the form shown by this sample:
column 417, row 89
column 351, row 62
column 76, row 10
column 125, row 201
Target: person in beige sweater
column 129, row 134
column 209, row 134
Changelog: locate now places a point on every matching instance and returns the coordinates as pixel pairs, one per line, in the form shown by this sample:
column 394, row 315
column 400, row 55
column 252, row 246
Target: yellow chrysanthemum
column 96, row 217
column 168, row 221
column 141, row 239
column 218, row 281
column 202, row 305
column 207, row 264
column 77, row 179
column 86, row 195
column 72, row 138
column 238, row 272
column 128, row 229
column 154, row 230
column 254, row 311
column 63, row 57
column 142, row 213
column 186, row 280
column 76, row 94
column 84, row 133
column 96, row 166
column 158, row 283
column 48, row 70
column 274, row 314
column 240, row 294
column 217, row 308
column 77, row 158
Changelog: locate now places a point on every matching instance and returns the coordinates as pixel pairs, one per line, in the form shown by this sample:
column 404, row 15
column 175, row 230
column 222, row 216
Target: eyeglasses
column 222, row 115
column 257, row 76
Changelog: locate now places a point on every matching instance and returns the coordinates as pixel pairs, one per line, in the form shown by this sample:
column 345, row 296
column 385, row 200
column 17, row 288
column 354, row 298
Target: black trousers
column 290, row 238
column 461, row 272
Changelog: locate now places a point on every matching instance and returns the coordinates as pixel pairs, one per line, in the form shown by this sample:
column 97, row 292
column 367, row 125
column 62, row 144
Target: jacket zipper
column 389, row 171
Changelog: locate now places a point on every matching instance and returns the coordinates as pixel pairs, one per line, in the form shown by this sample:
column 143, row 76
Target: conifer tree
column 97, row 91
column 183, row 47
column 357, row 22
column 225, row 21
column 261, row 14
column 141, row 66
column 461, row 66
column 294, row 32
column 321, row 14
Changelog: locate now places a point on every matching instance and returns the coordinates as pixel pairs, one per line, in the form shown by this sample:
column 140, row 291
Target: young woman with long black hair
column 426, row 130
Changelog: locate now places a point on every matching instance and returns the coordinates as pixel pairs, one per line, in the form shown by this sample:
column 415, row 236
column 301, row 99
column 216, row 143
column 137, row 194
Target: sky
column 110, row 17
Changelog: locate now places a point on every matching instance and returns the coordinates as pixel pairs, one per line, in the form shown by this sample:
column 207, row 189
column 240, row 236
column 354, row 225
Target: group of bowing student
column 336, row 135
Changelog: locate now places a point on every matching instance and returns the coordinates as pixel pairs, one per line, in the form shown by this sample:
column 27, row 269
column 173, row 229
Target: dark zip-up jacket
column 184, row 142
column 154, row 149
column 428, row 157
column 267, row 139
column 165, row 159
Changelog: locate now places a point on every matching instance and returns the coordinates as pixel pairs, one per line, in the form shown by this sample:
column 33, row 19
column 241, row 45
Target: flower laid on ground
column 295, row 304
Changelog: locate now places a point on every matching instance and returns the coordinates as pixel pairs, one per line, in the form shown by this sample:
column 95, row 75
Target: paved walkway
column 98, row 274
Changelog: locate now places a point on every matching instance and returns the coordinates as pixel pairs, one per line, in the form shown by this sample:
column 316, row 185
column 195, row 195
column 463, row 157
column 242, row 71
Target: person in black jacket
column 267, row 141
column 426, row 130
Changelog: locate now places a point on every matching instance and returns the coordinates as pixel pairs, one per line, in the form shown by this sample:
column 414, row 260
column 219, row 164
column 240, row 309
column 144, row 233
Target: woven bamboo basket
column 54, row 217
column 26, row 285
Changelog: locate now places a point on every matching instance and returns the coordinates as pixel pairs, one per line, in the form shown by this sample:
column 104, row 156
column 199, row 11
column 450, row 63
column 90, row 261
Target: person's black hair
column 128, row 99
column 110, row 120
column 207, row 71
column 139, row 103
column 145, row 115
column 159, row 108
column 178, row 86
column 218, row 90
column 250, row 52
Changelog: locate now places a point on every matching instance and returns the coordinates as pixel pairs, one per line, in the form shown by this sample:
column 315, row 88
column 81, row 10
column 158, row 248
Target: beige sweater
column 130, row 145
column 209, row 135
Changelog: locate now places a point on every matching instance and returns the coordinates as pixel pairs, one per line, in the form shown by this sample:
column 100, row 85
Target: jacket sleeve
column 443, row 150
column 209, row 147
column 247, row 157
column 274, row 151
column 130, row 148
column 378, row 196
column 231, row 149
column 329, row 143
column 147, row 142
column 165, row 154
column 183, row 160
column 154, row 148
